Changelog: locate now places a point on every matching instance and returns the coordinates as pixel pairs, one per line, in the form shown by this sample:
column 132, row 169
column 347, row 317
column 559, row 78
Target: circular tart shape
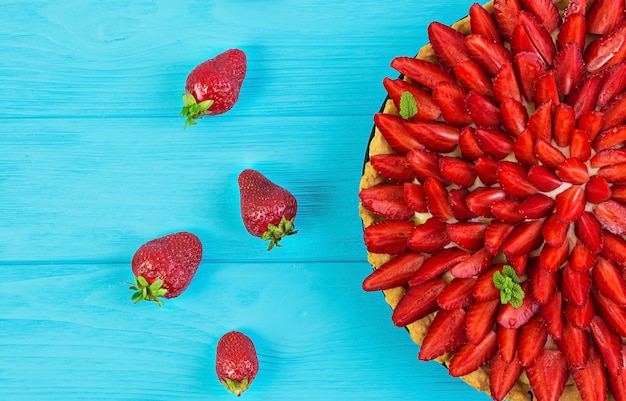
column 493, row 198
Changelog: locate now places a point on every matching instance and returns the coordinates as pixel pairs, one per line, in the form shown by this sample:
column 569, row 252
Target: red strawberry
column 236, row 362
column 548, row 375
column 446, row 333
column 386, row 200
column 418, row 302
column 389, row 236
column 394, row 273
column 268, row 210
column 470, row 357
column 213, row 86
column 164, row 267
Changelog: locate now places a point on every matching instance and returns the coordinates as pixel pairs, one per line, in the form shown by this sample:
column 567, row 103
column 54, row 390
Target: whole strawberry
column 236, row 362
column 164, row 267
column 213, row 86
column 268, row 210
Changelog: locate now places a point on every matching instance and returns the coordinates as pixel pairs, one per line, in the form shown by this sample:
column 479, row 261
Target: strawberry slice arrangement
column 494, row 198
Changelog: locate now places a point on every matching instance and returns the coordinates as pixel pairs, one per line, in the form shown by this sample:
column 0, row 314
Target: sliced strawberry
column 484, row 289
column 481, row 317
column 512, row 317
column 486, row 168
column 531, row 340
column 539, row 36
column 613, row 174
column 392, row 128
column 386, row 200
column 580, row 147
column 546, row 89
column 507, row 211
column 572, row 30
column 506, row 16
column 473, row 78
column 545, row 11
column 423, row 72
column 604, row 16
column 435, row 136
column 548, row 375
column 524, row 238
column 576, row 286
column 414, row 197
column 480, row 200
column 597, row 189
column 472, row 265
column 448, row 44
column 590, row 122
column 581, row 258
column 446, row 333
column 487, row 53
column 495, row 235
column 580, row 317
column 394, row 273
column 564, row 123
column 548, row 154
column 610, row 312
column 613, row 83
column 617, row 384
column 583, row 98
column 503, row 375
column 507, row 343
column 482, row 23
column 536, row 206
column 589, row 231
column 606, row 51
column 552, row 258
column 514, row 116
column 450, row 98
column 429, row 236
column 609, row 344
column 528, row 67
column 456, row 198
column 468, row 144
column 484, row 112
column 470, row 357
column 609, row 138
column 608, row 157
column 618, row 192
column 608, row 279
column 427, row 109
column 552, row 313
column 468, row 235
column 543, row 283
column 393, row 167
column 612, row 216
column 495, row 142
column 554, row 231
column 540, row 122
column 543, row 178
column 437, row 199
column 569, row 67
column 570, row 204
column 418, row 301
column 457, row 294
column 591, row 378
column 423, row 164
column 505, row 84
column 573, row 170
column 574, row 344
column 388, row 236
column 458, row 171
column 438, row 263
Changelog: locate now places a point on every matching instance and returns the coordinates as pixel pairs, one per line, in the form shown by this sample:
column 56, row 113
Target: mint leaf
column 408, row 106
column 509, row 285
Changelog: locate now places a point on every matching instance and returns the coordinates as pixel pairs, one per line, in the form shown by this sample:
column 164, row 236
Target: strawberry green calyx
column 193, row 110
column 145, row 291
column 275, row 233
column 236, row 387
column 509, row 285
column 408, row 105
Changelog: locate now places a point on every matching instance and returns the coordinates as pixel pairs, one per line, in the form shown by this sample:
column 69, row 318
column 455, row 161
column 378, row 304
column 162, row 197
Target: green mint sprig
column 509, row 285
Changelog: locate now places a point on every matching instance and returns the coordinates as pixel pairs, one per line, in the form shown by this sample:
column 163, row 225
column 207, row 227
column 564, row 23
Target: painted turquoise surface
column 94, row 161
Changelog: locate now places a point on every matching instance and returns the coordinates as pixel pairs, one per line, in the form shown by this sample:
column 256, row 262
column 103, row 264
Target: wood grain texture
column 94, row 161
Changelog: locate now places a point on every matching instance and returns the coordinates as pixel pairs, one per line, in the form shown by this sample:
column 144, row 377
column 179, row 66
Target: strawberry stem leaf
column 275, row 233
column 144, row 291
column 193, row 110
column 234, row 386
column 408, row 105
column 509, row 285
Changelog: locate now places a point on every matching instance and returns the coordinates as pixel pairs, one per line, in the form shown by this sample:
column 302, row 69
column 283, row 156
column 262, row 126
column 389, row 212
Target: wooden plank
column 70, row 332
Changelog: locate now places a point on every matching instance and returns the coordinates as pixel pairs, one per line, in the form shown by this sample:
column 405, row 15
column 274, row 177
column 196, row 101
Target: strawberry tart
column 493, row 199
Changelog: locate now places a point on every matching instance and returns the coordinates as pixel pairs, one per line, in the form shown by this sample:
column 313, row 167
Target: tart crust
column 478, row 379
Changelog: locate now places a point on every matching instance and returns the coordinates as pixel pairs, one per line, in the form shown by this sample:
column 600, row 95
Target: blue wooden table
column 94, row 162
